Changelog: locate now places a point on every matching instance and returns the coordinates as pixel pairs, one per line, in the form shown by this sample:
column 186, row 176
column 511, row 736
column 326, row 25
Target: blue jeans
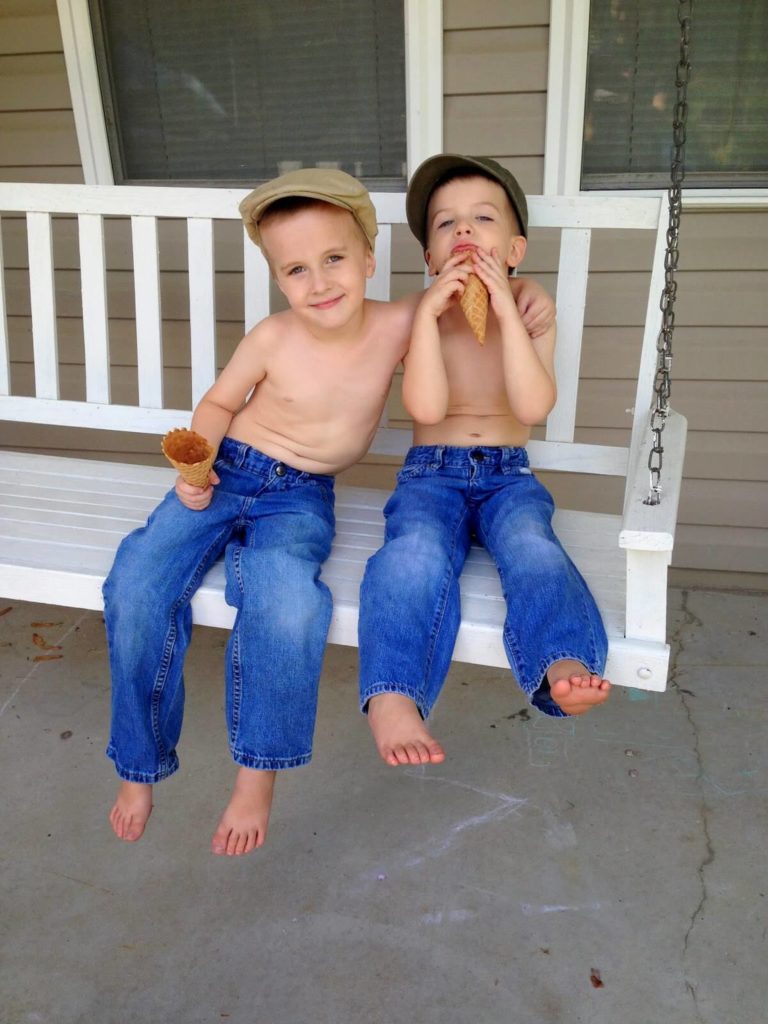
column 274, row 525
column 409, row 602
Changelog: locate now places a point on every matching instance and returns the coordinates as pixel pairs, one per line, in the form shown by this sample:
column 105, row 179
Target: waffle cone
column 474, row 303
column 190, row 454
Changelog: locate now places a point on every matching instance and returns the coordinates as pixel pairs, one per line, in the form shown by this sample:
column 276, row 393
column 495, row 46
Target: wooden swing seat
column 61, row 519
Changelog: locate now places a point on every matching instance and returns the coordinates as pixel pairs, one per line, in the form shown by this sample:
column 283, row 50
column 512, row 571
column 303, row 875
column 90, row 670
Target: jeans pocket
column 410, row 473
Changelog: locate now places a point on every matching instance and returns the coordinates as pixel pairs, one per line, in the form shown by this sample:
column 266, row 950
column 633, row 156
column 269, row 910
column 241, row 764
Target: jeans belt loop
column 439, row 456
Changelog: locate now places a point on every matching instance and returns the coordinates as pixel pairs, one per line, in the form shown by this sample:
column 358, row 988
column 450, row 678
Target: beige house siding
column 495, row 72
column 37, row 128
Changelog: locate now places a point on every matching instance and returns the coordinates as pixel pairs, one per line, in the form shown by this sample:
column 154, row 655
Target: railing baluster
column 255, row 283
column 149, row 341
column 43, row 302
column 202, row 305
column 93, row 281
column 571, row 301
column 5, row 351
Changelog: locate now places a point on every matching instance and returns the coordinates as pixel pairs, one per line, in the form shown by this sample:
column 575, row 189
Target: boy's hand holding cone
column 190, row 454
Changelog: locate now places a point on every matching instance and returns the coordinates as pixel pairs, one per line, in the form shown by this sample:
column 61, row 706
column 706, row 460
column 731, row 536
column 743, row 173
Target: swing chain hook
column 662, row 385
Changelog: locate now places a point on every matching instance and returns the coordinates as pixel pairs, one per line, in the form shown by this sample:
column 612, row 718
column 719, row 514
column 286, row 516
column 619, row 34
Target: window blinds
column 239, row 91
column 633, row 53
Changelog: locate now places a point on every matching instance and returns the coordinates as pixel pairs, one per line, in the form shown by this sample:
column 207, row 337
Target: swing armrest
column 652, row 527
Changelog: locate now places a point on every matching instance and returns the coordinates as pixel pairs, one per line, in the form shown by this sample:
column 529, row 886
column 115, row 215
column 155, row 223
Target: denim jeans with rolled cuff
column 274, row 525
column 445, row 498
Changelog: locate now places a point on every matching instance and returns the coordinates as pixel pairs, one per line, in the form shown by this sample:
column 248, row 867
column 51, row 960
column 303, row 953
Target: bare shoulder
column 267, row 331
column 254, row 355
column 395, row 319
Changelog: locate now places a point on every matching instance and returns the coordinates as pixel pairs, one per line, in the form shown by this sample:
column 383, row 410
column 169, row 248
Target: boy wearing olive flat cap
column 299, row 401
column 467, row 478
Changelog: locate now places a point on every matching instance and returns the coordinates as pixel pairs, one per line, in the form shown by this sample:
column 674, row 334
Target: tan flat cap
column 325, row 184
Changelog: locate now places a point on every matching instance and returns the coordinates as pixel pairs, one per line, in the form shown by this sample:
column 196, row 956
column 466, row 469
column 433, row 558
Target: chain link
column 662, row 385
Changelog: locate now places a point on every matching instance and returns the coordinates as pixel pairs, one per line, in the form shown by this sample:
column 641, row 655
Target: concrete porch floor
column 607, row 869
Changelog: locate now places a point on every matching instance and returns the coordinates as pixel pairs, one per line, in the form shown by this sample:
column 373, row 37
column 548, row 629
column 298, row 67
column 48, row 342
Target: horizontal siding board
column 702, row 502
column 620, row 298
column 42, row 137
column 64, row 174
column 504, row 125
column 495, row 61
column 730, row 240
column 706, row 404
column 32, row 28
column 458, row 14
column 34, row 82
column 714, row 579
column 722, row 548
column 700, row 353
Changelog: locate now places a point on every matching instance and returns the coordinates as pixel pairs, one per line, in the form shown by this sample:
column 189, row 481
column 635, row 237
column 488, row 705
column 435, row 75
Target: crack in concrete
column 678, row 647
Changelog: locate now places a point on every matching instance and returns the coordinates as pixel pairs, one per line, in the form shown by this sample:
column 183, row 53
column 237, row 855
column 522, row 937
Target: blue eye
column 445, row 224
column 295, row 270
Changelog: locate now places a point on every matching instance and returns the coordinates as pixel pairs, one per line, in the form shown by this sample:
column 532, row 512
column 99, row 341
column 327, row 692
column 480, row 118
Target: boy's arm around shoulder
column 535, row 305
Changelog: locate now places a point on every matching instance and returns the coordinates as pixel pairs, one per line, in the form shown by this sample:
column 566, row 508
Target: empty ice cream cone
column 474, row 303
column 190, row 454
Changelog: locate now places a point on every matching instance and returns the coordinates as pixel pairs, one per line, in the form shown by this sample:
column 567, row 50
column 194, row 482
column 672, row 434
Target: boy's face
column 320, row 261
column 471, row 213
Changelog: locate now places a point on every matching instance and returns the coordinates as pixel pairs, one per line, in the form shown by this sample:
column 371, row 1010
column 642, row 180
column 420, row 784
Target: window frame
column 423, row 86
column 566, row 93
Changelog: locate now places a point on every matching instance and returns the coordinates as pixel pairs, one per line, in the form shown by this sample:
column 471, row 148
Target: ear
column 518, row 245
column 370, row 264
column 430, row 265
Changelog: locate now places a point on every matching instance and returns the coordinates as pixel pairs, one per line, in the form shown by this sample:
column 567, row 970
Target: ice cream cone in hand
column 190, row 454
column 474, row 304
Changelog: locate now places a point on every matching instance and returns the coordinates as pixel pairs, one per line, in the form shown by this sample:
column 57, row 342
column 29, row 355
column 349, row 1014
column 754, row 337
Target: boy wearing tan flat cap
column 299, row 401
column 467, row 478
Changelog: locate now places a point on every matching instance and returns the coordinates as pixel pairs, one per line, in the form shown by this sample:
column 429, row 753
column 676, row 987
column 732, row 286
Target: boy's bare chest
column 314, row 379
column 475, row 372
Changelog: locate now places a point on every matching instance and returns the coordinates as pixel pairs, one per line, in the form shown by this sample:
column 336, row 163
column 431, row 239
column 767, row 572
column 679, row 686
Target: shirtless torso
column 315, row 402
column 478, row 410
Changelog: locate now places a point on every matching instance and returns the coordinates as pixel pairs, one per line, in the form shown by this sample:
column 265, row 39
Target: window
column 611, row 97
column 630, row 95
column 238, row 91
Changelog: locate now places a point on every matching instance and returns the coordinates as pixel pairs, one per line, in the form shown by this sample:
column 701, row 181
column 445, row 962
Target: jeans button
column 280, row 469
column 477, row 455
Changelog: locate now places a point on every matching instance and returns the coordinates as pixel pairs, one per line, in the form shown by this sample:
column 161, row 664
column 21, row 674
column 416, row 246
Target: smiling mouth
column 327, row 303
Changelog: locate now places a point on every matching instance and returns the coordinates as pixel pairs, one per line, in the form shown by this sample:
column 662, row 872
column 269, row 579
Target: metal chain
column 662, row 384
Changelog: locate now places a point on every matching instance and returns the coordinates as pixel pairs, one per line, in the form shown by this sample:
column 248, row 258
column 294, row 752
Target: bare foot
column 574, row 689
column 131, row 811
column 399, row 731
column 243, row 824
